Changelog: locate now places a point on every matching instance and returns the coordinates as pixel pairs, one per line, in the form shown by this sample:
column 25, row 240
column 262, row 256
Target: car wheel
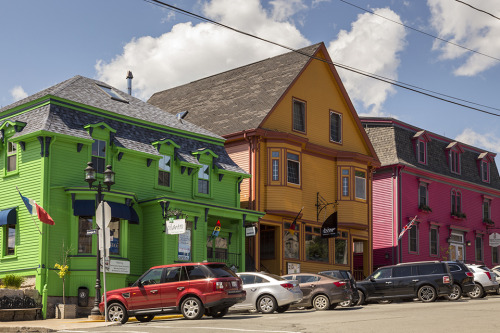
column 218, row 313
column 456, row 293
column 266, row 304
column 321, row 302
column 283, row 308
column 477, row 292
column 192, row 308
column 346, row 304
column 117, row 313
column 427, row 294
column 144, row 318
column 361, row 300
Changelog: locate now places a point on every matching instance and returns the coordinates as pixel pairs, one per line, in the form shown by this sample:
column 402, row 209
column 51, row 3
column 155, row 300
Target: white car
column 484, row 279
column 267, row 293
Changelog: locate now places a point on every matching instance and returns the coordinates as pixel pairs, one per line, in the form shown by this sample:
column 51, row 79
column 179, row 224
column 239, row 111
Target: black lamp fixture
column 468, row 243
column 109, row 179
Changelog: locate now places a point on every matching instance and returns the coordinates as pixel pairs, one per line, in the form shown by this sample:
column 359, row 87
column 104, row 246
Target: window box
column 424, row 208
column 488, row 221
column 458, row 215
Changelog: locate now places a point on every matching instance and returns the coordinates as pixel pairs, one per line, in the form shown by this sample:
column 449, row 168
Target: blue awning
column 118, row 210
column 8, row 216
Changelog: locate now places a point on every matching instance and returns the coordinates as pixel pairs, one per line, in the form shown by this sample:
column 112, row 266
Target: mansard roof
column 394, row 142
column 70, row 105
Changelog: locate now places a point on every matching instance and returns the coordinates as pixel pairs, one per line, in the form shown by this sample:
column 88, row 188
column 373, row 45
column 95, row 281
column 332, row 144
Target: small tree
column 63, row 268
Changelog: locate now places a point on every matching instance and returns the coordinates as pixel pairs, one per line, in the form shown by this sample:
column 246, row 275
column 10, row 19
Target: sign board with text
column 175, row 227
column 494, row 239
column 117, row 266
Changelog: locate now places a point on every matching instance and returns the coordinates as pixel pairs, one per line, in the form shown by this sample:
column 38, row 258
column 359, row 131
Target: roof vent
column 181, row 115
column 129, row 82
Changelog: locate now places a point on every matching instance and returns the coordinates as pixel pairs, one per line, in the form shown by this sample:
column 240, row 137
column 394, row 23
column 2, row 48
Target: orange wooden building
column 289, row 122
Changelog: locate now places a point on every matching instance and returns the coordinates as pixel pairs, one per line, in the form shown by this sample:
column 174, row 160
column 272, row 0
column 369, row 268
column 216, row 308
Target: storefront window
column 114, row 229
column 84, row 240
column 340, row 251
column 11, row 239
column 316, row 246
column 291, row 242
column 184, row 244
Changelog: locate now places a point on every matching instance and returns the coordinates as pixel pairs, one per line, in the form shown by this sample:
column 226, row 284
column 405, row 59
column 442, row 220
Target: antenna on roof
column 181, row 115
column 129, row 82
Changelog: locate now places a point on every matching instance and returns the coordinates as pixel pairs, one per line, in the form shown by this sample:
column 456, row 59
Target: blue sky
column 45, row 42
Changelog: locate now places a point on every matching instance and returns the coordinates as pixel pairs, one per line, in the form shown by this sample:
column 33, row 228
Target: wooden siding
column 383, row 223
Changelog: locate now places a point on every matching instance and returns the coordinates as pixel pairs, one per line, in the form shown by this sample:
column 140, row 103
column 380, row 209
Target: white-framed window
column 9, row 240
column 114, row 229
column 99, row 155
column 335, row 127
column 360, row 177
column 456, row 201
column 345, row 182
column 275, row 165
column 293, row 167
column 434, row 242
column 84, row 240
column 299, row 116
column 11, row 156
column 423, row 196
column 204, row 179
column 164, row 171
column 455, row 161
column 479, row 248
column 422, row 151
column 413, row 239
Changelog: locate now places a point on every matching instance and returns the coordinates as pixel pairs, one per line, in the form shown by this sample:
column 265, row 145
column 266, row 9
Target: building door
column 269, row 256
column 456, row 247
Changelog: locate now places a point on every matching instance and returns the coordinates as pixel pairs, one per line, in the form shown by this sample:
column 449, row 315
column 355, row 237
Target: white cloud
column 372, row 45
column 465, row 26
column 18, row 93
column 189, row 52
column 284, row 9
column 488, row 141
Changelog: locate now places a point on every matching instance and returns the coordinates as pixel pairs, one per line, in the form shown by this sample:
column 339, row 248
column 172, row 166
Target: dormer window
column 99, row 155
column 422, row 151
column 455, row 161
column 164, row 171
column 485, row 171
column 204, row 179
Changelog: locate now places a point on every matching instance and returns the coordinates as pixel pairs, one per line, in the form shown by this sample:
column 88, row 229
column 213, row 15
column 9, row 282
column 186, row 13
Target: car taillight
column 446, row 279
column 218, row 286
column 339, row 283
column 489, row 275
column 469, row 274
column 287, row 286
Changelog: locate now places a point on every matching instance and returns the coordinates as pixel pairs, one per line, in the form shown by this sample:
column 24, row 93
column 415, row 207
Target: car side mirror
column 139, row 283
column 372, row 279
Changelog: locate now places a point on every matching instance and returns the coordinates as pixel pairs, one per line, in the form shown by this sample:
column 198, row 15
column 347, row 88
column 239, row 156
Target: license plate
column 234, row 284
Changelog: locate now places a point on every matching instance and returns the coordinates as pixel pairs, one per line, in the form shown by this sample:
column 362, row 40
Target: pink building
column 452, row 188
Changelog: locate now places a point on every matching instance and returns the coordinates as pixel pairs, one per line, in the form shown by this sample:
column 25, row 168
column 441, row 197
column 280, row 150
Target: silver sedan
column 267, row 293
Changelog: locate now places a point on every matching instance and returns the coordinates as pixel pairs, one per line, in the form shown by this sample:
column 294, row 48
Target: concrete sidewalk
column 54, row 325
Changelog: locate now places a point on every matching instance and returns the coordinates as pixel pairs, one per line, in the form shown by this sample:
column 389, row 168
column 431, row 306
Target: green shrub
column 13, row 281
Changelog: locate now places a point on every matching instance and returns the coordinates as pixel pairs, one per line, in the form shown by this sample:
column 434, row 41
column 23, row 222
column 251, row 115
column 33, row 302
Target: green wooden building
column 164, row 166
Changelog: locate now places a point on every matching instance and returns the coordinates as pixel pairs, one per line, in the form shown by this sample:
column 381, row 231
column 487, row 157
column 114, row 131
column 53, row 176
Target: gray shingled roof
column 238, row 99
column 394, row 145
column 68, row 121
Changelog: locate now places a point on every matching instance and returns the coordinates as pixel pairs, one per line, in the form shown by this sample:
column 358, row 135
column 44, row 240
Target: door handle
column 416, row 280
column 180, row 288
column 154, row 291
column 313, row 285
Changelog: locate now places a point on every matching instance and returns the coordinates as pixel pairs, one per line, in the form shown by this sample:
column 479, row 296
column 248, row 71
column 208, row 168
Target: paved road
column 466, row 315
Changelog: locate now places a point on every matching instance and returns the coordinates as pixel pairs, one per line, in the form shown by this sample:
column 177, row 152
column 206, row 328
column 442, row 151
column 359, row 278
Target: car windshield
column 221, row 270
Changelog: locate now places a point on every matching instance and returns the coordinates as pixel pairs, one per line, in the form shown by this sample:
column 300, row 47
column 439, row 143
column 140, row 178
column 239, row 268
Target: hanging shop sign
column 329, row 227
column 175, row 227
column 250, row 231
column 494, row 239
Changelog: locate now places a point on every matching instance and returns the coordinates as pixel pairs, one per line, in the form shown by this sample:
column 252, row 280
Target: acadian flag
column 216, row 231
column 36, row 210
column 293, row 226
column 407, row 227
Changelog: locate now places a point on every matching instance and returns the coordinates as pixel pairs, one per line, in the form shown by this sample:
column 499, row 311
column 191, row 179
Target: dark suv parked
column 425, row 280
column 192, row 289
column 347, row 277
column 463, row 279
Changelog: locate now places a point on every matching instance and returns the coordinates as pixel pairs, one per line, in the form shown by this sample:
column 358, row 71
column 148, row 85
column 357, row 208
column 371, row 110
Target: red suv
column 192, row 289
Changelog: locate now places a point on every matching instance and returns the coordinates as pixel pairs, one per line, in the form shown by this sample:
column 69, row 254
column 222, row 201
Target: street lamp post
column 109, row 179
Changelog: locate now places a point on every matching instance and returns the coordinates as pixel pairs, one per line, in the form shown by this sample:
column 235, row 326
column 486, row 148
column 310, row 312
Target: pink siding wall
column 383, row 219
column 440, row 203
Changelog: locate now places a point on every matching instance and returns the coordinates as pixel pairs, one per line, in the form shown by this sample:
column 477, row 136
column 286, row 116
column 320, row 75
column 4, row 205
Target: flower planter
column 65, row 311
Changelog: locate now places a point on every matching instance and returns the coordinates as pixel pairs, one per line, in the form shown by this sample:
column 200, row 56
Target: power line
column 420, row 31
column 403, row 85
column 480, row 10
